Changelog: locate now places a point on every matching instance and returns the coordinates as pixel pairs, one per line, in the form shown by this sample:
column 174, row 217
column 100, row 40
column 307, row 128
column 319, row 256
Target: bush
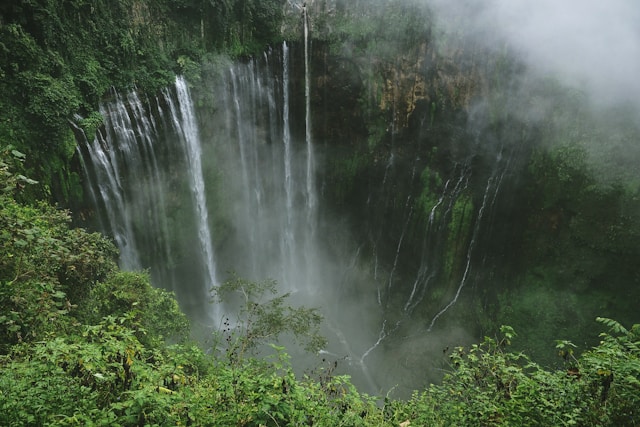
column 491, row 386
column 46, row 268
column 153, row 313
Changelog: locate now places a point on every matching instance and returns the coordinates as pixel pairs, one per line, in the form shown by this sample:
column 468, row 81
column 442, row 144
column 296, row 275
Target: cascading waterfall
column 426, row 271
column 191, row 139
column 126, row 166
column 275, row 219
column 251, row 204
column 492, row 189
column 467, row 267
column 435, row 241
column 165, row 178
column 409, row 207
column 288, row 240
column 311, row 192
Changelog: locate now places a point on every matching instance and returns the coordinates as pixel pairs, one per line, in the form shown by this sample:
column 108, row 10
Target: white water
column 110, row 166
column 288, row 240
column 191, row 139
column 491, row 187
column 129, row 180
column 426, row 272
column 145, row 127
column 408, row 206
column 311, row 195
column 275, row 213
column 311, row 192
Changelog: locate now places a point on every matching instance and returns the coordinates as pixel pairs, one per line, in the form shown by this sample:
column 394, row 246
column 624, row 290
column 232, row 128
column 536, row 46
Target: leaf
column 613, row 325
column 164, row 390
column 18, row 155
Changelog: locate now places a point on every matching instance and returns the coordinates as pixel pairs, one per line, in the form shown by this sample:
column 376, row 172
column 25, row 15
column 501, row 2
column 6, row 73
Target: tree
column 262, row 318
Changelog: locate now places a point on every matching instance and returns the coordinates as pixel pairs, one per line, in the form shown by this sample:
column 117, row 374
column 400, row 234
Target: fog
column 590, row 47
column 587, row 44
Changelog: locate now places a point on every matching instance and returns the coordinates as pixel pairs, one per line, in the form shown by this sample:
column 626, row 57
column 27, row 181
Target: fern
column 613, row 325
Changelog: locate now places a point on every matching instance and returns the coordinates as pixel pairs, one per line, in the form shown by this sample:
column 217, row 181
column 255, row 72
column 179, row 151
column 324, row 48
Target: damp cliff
column 417, row 184
column 295, row 167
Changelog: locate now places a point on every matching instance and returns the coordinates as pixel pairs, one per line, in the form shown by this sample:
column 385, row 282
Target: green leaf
column 18, row 155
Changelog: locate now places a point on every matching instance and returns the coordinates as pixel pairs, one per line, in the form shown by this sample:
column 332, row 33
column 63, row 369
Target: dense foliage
column 491, row 386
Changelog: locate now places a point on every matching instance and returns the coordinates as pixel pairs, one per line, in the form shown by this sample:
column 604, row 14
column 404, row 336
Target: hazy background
column 588, row 44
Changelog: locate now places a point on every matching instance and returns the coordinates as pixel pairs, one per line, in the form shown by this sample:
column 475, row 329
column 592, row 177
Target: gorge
column 396, row 191
column 413, row 172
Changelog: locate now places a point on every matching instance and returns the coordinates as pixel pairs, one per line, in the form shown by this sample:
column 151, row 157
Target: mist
column 591, row 48
column 589, row 45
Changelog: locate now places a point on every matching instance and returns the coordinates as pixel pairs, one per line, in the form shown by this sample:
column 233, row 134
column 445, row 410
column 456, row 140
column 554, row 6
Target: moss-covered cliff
column 541, row 231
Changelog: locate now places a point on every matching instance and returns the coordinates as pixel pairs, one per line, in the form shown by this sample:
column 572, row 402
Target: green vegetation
column 459, row 234
column 82, row 343
column 344, row 173
column 492, row 386
column 582, row 225
column 262, row 317
column 432, row 187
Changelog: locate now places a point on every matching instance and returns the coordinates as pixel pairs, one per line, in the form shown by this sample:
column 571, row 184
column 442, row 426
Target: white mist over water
column 288, row 241
column 311, row 190
column 149, row 177
column 131, row 184
column 266, row 168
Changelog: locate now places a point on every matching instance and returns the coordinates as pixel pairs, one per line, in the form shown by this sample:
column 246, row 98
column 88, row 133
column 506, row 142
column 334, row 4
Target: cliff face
column 406, row 112
column 470, row 186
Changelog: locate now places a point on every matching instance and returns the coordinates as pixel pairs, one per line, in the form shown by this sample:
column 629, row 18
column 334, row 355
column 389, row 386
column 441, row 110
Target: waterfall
column 191, row 139
column 233, row 188
column 270, row 169
column 311, row 197
column 467, row 267
column 433, row 240
column 426, row 271
column 131, row 169
column 152, row 177
column 288, row 239
column 409, row 206
column 152, row 174
column 310, row 178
